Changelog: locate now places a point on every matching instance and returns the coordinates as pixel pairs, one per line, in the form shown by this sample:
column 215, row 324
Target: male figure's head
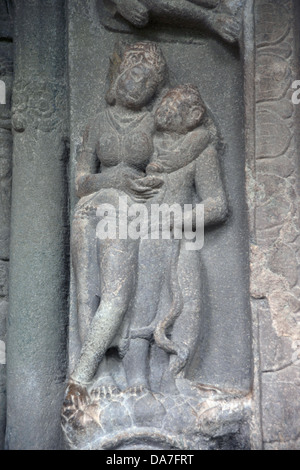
column 181, row 110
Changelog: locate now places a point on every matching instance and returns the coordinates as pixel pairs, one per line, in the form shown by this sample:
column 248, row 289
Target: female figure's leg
column 117, row 261
column 86, row 271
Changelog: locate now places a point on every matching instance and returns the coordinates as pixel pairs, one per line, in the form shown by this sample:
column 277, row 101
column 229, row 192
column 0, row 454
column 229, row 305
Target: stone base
column 106, row 418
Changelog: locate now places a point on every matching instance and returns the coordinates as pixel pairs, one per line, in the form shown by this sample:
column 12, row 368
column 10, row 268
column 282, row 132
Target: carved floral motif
column 38, row 104
column 275, row 253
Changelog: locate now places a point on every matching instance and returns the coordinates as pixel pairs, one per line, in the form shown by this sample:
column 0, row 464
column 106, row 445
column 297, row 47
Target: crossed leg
column 117, row 261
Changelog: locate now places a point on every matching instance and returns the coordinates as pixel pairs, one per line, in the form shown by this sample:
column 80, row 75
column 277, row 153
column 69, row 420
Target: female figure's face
column 136, row 86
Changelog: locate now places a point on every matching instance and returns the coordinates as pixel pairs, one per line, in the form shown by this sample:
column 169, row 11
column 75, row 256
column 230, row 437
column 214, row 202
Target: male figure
column 169, row 285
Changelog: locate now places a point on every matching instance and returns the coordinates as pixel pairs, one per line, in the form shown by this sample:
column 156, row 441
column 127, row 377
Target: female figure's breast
column 132, row 146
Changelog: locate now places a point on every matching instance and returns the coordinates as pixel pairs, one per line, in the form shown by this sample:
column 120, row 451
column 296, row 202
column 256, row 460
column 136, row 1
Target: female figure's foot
column 76, row 394
column 137, row 389
column 104, row 392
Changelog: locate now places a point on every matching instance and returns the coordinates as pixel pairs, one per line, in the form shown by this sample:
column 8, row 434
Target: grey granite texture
column 6, row 76
column 36, row 345
column 273, row 199
column 39, row 275
column 225, row 318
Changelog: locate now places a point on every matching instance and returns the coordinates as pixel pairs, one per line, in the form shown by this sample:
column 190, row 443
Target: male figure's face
column 176, row 115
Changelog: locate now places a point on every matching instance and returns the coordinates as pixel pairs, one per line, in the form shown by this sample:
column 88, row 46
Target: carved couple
column 139, row 301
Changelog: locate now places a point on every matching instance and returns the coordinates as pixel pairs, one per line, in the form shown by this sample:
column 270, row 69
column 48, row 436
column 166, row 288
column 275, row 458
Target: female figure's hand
column 143, row 189
column 117, row 177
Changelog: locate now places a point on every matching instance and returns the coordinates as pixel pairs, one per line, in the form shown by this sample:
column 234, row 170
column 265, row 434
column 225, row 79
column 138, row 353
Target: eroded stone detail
column 274, row 194
column 39, row 104
column 110, row 419
column 222, row 17
column 139, row 303
column 6, row 75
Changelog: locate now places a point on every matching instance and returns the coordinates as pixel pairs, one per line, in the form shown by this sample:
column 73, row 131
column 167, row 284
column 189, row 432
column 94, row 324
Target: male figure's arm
column 209, row 187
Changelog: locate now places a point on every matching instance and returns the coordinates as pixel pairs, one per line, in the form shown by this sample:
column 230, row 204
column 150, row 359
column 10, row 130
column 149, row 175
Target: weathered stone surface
column 208, row 15
column 272, row 22
column 219, row 363
column 273, row 77
column 6, row 76
column 287, row 445
column 5, row 191
column 273, row 193
column 273, row 135
column 281, row 404
column 275, row 351
column 4, row 265
column 214, row 362
column 36, row 348
column 283, row 262
column 36, row 353
column 3, row 317
column 199, row 420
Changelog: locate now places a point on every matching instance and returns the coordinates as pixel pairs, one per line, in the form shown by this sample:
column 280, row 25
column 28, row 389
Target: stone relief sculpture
column 185, row 158
column 139, row 302
column 222, row 17
column 122, row 138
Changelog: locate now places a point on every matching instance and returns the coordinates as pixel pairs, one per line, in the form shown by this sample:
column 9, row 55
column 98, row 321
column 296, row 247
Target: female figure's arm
column 86, row 177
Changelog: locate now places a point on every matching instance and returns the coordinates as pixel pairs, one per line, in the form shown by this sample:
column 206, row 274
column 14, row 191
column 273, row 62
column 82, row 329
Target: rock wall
column 6, row 74
column 273, row 194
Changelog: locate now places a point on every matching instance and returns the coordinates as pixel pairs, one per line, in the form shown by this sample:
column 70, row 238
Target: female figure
column 119, row 142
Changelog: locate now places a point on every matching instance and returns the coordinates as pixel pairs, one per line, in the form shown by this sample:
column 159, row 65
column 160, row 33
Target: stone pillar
column 36, row 349
column 6, row 69
column 273, row 197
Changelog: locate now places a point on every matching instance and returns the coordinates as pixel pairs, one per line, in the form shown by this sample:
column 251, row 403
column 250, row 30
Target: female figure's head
column 142, row 74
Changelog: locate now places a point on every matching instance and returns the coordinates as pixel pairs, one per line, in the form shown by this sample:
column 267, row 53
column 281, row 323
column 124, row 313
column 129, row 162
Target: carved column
column 6, row 69
column 39, row 243
column 273, row 198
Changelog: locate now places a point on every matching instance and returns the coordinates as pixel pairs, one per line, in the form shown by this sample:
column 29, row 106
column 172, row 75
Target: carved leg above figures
column 228, row 27
column 133, row 11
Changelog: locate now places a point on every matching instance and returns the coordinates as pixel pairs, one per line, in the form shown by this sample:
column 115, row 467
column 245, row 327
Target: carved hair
column 189, row 93
column 147, row 53
column 192, row 97
column 143, row 52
